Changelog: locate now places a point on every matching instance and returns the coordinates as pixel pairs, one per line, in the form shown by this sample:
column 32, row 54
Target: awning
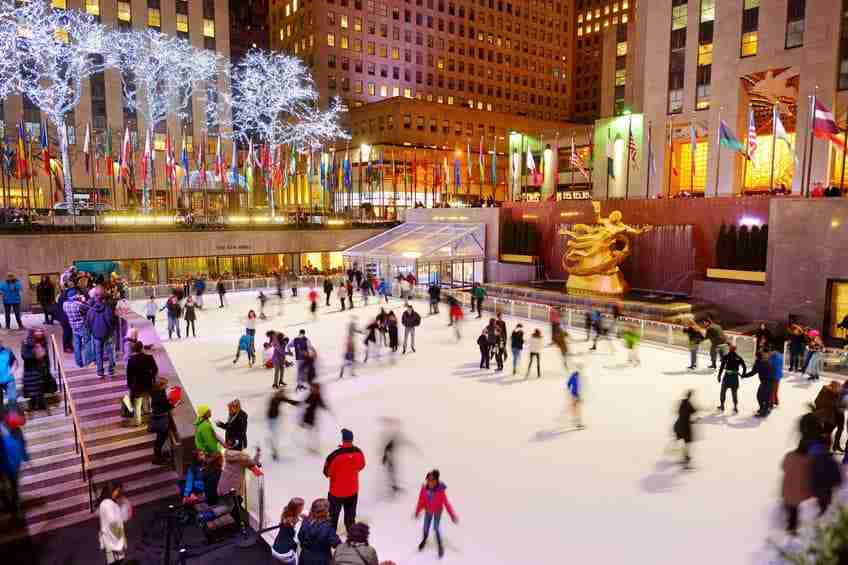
column 422, row 242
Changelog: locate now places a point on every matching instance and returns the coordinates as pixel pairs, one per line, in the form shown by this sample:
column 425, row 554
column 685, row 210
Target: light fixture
column 411, row 254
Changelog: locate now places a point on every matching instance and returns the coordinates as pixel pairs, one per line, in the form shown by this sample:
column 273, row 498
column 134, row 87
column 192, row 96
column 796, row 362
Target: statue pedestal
column 612, row 284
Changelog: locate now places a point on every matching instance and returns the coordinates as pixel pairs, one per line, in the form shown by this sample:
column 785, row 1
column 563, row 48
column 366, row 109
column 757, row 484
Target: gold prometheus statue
column 594, row 252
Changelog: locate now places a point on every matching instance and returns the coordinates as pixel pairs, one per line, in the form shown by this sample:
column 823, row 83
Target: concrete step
column 59, row 468
column 60, row 443
column 102, row 386
column 140, row 445
column 40, row 521
column 109, row 398
column 89, row 417
column 46, row 434
column 102, row 437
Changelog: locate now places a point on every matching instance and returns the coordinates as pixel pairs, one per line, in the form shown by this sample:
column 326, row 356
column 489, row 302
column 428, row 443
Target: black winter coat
column 141, row 372
column 317, row 540
column 235, row 431
column 36, row 371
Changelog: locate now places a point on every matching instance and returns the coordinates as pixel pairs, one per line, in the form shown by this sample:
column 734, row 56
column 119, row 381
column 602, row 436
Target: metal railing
column 662, row 333
column 71, row 409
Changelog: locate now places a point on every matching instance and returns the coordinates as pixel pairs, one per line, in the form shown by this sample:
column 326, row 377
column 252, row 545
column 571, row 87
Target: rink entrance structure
column 448, row 254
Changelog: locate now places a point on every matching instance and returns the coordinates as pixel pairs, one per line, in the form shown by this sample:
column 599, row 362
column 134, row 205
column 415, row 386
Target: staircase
column 54, row 489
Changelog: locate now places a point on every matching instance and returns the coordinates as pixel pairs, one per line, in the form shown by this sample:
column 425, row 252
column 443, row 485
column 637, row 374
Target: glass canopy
column 412, row 242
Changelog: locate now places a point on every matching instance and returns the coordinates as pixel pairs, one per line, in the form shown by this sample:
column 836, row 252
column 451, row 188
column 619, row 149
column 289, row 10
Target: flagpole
column 812, row 146
column 607, row 153
column 670, row 156
column 650, row 160
column 718, row 157
column 775, row 111
column 627, row 173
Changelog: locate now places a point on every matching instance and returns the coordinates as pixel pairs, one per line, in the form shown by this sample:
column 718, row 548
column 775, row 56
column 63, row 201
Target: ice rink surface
column 526, row 488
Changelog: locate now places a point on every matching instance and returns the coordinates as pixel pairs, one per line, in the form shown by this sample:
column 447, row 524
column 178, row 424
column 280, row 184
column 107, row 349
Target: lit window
column 749, row 44
column 384, row 51
column 343, row 21
column 154, row 17
column 395, row 91
column 357, row 86
column 282, row 34
column 440, row 64
column 159, row 141
column 407, row 92
column 208, row 27
column 60, row 4
column 579, row 18
column 597, row 26
column 294, row 6
column 624, row 18
column 707, row 10
column 621, row 77
column 343, row 42
column 615, row 20
column 579, row 32
column 589, row 16
column 621, row 49
column 357, row 23
column 705, row 54
column 124, row 12
column 606, row 10
column 288, row 10
column 370, row 89
column 395, row 53
column 440, row 99
column 597, row 13
column 615, row 7
column 331, row 40
column 182, row 23
column 384, row 90
column 624, row 5
column 450, row 100
column 606, row 22
column 92, row 7
column 678, row 17
column 751, row 4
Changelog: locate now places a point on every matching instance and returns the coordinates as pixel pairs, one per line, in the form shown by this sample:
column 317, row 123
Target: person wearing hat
column 11, row 290
column 355, row 550
column 204, row 434
column 342, row 467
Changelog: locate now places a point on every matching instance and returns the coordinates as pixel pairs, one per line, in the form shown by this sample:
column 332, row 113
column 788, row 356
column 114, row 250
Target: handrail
column 71, row 407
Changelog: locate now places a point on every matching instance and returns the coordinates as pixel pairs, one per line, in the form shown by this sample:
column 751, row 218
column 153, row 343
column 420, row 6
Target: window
column 331, row 39
column 749, row 44
column 343, row 21
column 125, row 12
column 677, row 59
column 407, row 121
column 679, row 14
column 395, row 53
column 92, row 7
column 182, row 23
column 357, row 86
column 370, row 89
column 621, row 77
column 208, row 27
column 407, row 92
column 750, row 27
column 384, row 90
column 621, row 49
column 795, row 23
column 343, row 42
column 357, row 23
column 154, row 18
column 60, row 4
column 419, row 123
column 705, row 54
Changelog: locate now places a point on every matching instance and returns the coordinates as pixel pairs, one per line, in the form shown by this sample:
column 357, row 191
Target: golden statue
column 594, row 252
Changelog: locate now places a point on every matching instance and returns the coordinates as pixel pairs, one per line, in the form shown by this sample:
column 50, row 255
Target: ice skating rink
column 525, row 487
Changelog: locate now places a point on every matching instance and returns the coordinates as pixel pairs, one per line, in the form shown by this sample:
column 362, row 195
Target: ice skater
column 313, row 303
column 300, row 347
column 433, row 500
column 601, row 332
column 328, row 289
column 393, row 439
column 342, row 294
column 245, row 344
column 455, row 314
column 683, row 427
column 349, row 358
column 537, row 342
column 262, row 300
column 630, row 337
column 275, row 419
column 574, row 385
column 279, row 346
column 732, row 366
column 763, row 369
column 517, row 345
column 371, row 339
column 313, row 403
column 150, row 309
column 483, row 344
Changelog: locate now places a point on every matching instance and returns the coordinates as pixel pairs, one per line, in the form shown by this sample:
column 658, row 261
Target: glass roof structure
column 418, row 241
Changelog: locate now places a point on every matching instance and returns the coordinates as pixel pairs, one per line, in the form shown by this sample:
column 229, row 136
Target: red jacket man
column 342, row 467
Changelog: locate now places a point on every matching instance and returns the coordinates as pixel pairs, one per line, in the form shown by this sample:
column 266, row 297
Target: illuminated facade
column 205, row 24
column 488, row 56
column 769, row 64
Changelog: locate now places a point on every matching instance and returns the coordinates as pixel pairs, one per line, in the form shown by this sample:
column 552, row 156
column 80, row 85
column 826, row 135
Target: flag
column 531, row 164
column 108, row 153
column 234, row 163
column 219, row 161
column 693, row 141
column 468, row 161
column 45, row 150
column 779, row 130
column 652, row 163
column 576, row 162
column 201, row 161
column 610, row 157
column 348, row 181
column 380, row 171
column 414, row 170
column 824, row 125
column 481, row 162
column 457, row 172
column 170, row 165
column 22, row 142
column 86, row 148
column 125, row 155
column 145, row 159
column 322, row 172
column 495, row 161
column 541, row 171
column 445, row 171
column 727, row 139
column 752, row 134
column 631, row 149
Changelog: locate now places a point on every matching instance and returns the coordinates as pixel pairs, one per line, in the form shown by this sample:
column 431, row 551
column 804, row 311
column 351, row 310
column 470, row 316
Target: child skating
column 246, row 344
column 433, row 500
column 631, row 342
column 575, row 391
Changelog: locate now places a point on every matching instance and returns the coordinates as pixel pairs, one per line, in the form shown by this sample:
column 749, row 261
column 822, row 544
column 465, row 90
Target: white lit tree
column 274, row 102
column 58, row 50
column 9, row 63
column 159, row 73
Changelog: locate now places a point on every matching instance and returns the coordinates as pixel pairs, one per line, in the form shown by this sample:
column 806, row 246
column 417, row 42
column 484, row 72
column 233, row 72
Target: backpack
column 416, row 320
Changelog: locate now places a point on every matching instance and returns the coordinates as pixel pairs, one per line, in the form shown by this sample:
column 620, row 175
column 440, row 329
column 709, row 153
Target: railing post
column 512, row 308
column 670, row 334
column 641, row 329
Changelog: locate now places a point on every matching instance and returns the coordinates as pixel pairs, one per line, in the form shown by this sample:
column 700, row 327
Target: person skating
column 349, row 357
column 601, row 331
column 776, row 360
column 275, row 420
column 392, row 440
column 456, row 315
column 410, row 320
column 384, row 289
column 683, row 427
column 574, row 385
column 502, row 332
column 349, row 288
column 630, row 337
column 718, row 341
column 300, row 346
column 342, row 294
column 796, row 468
column 695, row 335
column 245, row 344
column 732, row 366
column 370, row 338
column 435, row 293
column 312, row 296
column 199, row 291
column 309, row 420
column 342, row 467
column 279, row 344
column 498, row 350
column 483, row 344
column 433, row 501
column 328, row 289
column 235, row 428
column 478, row 295
column 516, row 342
column 222, row 291
column 381, row 326
column 174, row 311
column 263, row 299
column 150, row 309
column 763, row 369
column 190, row 316
column 537, row 342
column 392, row 329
